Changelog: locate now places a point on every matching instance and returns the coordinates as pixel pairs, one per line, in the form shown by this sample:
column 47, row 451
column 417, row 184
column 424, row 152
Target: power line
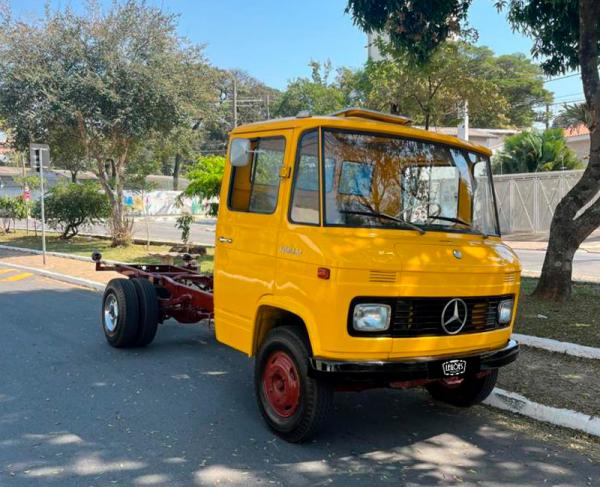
column 562, row 77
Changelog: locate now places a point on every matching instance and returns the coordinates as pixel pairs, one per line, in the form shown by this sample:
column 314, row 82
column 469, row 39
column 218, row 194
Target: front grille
column 415, row 317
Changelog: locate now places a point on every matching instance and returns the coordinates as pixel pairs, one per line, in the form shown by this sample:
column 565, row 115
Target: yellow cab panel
column 381, row 238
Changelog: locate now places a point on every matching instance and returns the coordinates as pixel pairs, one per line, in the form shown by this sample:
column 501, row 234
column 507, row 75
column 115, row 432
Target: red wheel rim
column 281, row 384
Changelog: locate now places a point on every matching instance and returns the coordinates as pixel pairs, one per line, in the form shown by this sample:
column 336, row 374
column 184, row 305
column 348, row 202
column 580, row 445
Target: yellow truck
column 352, row 251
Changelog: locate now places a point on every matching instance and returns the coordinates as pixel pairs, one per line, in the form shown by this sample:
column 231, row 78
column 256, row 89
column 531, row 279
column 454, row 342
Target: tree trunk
column 74, row 176
column 120, row 226
column 578, row 213
column 176, row 170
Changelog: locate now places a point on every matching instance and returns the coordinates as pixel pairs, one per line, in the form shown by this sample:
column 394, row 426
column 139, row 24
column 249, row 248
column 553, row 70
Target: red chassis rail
column 183, row 293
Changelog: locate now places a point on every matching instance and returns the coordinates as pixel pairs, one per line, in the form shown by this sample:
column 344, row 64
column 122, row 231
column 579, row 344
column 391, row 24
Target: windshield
column 386, row 181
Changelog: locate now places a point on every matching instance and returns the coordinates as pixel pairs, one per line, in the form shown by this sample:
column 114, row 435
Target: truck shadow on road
column 74, row 411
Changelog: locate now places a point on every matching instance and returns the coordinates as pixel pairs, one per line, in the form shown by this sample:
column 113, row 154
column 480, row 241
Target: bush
column 535, row 151
column 70, row 205
column 11, row 209
column 205, row 177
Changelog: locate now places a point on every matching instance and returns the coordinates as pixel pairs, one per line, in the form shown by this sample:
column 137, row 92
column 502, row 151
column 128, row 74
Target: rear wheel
column 293, row 404
column 470, row 391
column 148, row 311
column 120, row 313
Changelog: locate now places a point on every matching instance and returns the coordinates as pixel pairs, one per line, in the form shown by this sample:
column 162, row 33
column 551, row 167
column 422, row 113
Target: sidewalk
column 75, row 268
column 539, row 241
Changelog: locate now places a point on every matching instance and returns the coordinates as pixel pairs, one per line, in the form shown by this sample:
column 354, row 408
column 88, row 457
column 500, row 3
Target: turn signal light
column 323, row 273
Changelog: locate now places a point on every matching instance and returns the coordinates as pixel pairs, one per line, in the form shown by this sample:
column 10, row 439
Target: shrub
column 535, row 151
column 205, row 179
column 70, row 205
column 11, row 209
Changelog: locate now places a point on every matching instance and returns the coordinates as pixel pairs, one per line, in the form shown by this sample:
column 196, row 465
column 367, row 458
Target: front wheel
column 293, row 404
column 470, row 391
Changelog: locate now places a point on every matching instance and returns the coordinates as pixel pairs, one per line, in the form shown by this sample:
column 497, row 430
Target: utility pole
column 36, row 154
column 547, row 117
column 463, row 127
column 268, row 111
column 235, row 111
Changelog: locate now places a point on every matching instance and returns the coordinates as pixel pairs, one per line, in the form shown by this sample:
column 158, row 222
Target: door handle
column 225, row 240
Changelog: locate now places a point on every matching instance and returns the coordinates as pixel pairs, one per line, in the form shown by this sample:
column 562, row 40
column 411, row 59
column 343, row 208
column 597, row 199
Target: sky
column 273, row 40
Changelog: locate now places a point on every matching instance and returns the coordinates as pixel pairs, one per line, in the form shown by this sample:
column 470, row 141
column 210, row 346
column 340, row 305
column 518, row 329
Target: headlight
column 505, row 311
column 371, row 317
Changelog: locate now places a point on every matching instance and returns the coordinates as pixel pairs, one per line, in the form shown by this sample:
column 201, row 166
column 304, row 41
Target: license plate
column 454, row 367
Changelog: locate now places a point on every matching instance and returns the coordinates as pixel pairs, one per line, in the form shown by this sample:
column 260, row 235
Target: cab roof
column 359, row 119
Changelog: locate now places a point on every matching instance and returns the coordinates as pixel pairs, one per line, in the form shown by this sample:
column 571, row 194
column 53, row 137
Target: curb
column 53, row 254
column 582, row 280
column 141, row 241
column 552, row 345
column 516, row 403
column 96, row 286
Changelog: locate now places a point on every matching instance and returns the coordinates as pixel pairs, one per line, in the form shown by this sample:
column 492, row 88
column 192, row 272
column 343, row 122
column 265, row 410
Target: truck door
column 247, row 231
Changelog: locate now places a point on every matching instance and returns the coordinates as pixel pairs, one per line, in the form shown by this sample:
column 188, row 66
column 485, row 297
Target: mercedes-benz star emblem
column 454, row 316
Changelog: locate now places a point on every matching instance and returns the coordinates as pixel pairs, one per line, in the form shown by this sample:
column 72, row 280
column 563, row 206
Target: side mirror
column 239, row 152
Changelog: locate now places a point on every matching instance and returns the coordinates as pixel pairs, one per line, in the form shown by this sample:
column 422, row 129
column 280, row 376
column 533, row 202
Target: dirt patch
column 576, row 320
column 554, row 379
column 584, row 444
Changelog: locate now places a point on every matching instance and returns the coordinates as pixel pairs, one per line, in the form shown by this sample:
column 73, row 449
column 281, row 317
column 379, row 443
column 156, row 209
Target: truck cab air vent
column 382, row 276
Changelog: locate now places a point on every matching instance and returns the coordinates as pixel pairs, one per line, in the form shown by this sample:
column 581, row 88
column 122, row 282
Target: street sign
column 39, row 155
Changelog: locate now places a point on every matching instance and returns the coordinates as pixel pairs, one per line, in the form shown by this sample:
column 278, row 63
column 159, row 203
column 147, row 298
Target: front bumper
column 430, row 368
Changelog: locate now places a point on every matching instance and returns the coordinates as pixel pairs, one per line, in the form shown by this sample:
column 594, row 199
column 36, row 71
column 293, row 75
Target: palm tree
column 535, row 151
column 572, row 115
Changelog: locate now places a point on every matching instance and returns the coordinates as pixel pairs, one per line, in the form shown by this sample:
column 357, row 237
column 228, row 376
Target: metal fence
column 526, row 202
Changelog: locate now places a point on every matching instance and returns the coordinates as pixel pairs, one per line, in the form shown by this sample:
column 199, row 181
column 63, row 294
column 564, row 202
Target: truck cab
column 354, row 250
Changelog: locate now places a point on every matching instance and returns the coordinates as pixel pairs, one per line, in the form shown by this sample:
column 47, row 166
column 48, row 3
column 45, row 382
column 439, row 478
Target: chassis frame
column 183, row 293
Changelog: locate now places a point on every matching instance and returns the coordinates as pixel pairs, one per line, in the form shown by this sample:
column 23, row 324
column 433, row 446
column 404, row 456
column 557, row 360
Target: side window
column 254, row 187
column 305, row 200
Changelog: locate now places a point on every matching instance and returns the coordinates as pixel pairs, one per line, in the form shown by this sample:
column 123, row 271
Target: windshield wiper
column 461, row 222
column 387, row 217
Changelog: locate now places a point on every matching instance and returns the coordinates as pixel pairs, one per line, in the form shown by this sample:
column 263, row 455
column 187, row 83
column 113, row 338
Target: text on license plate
column 454, row 367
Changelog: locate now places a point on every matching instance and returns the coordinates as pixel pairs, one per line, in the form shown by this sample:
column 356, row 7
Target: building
column 578, row 140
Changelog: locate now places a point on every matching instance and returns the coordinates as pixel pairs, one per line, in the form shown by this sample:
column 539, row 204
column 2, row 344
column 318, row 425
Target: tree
column 535, row 151
column 503, row 91
column 520, row 84
column 566, row 36
column 68, row 206
column 110, row 79
column 11, row 209
column 68, row 152
column 572, row 116
column 315, row 94
column 205, row 178
column 432, row 92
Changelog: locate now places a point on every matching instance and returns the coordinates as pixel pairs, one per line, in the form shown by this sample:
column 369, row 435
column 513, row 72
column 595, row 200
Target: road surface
column 75, row 412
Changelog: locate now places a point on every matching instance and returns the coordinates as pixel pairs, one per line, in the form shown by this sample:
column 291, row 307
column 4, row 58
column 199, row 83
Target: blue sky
column 274, row 40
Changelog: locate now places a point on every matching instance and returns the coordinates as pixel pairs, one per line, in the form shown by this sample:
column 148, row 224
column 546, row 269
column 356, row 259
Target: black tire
column 122, row 331
column 148, row 311
column 316, row 397
column 473, row 390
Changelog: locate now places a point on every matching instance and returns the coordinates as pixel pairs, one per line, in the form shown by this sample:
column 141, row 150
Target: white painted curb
column 516, row 403
column 551, row 345
column 96, row 286
column 580, row 278
column 39, row 252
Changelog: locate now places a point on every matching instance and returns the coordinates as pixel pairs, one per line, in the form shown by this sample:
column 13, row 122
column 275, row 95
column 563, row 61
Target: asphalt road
column 75, row 412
